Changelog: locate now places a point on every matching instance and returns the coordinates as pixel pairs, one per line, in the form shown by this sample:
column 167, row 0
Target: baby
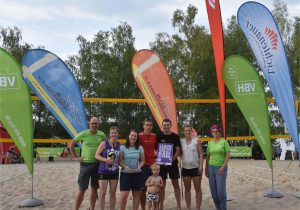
column 153, row 184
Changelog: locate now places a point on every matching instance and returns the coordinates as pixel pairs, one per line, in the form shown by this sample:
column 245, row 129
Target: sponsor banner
column 215, row 25
column 240, row 151
column 45, row 152
column 53, row 82
column 244, row 84
column 258, row 25
column 155, row 83
column 15, row 107
column 165, row 154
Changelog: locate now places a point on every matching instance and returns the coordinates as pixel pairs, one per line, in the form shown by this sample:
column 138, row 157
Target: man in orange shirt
column 148, row 141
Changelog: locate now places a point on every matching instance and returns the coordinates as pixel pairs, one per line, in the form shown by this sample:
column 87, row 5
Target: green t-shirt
column 217, row 152
column 90, row 143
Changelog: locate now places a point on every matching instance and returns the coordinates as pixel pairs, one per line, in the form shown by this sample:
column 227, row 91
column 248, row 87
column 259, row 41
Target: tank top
column 109, row 151
column 190, row 158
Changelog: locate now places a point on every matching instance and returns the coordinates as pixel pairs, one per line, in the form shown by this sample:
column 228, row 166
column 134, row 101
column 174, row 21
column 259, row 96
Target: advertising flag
column 258, row 25
column 244, row 84
column 53, row 82
column 15, row 107
column 155, row 83
column 215, row 25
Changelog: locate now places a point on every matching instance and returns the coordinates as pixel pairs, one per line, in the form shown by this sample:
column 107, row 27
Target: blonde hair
column 154, row 166
column 187, row 126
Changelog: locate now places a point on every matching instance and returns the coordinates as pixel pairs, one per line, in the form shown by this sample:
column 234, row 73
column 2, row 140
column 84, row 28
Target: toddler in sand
column 153, row 184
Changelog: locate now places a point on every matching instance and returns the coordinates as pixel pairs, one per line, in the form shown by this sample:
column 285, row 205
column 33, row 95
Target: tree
column 11, row 41
column 103, row 69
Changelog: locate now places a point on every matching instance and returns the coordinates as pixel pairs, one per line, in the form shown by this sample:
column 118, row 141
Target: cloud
column 56, row 24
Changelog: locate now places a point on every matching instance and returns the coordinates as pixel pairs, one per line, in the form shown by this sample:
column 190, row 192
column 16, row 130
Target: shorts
column 193, row 172
column 131, row 181
column 88, row 171
column 172, row 170
column 109, row 176
column 152, row 197
column 146, row 171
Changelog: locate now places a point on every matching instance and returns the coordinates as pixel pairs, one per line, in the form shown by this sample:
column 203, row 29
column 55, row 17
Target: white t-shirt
column 190, row 158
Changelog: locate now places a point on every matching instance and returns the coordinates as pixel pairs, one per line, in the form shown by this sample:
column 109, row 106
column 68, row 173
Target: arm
column 71, row 146
column 200, row 155
column 177, row 153
column 121, row 162
column 178, row 148
column 142, row 161
column 206, row 165
column 222, row 169
column 161, row 182
column 99, row 151
column 148, row 182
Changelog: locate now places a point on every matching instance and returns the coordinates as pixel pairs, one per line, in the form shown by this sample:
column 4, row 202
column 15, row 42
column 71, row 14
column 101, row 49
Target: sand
column 55, row 183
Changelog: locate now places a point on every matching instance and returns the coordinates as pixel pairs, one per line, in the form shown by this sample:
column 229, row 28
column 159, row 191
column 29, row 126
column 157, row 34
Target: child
column 153, row 184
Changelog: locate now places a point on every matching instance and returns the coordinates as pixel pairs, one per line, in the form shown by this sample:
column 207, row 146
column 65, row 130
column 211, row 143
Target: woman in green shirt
column 218, row 156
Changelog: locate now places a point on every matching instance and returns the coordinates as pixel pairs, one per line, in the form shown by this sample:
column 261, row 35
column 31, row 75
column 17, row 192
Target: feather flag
column 53, row 82
column 155, row 83
column 15, row 107
column 258, row 25
column 244, row 84
column 215, row 24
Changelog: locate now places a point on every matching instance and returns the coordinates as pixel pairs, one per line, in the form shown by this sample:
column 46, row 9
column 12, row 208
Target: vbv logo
column 273, row 36
column 246, row 87
column 9, row 81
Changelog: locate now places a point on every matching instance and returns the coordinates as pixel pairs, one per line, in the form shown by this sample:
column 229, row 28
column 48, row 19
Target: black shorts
column 131, row 181
column 172, row 170
column 190, row 172
column 109, row 176
column 88, row 171
column 146, row 171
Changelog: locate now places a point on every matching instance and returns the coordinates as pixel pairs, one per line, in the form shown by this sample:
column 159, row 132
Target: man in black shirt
column 168, row 137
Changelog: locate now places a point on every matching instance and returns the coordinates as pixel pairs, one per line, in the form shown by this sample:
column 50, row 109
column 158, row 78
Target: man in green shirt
column 90, row 140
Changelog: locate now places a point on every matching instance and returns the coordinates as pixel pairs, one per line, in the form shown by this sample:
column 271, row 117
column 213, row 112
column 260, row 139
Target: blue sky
column 55, row 24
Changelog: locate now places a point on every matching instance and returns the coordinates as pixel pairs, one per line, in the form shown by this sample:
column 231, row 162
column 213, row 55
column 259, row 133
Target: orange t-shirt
column 149, row 143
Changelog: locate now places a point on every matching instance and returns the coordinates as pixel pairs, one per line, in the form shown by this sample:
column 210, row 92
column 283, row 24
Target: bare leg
column 176, row 187
column 143, row 199
column 155, row 205
column 79, row 198
column 197, row 186
column 162, row 195
column 93, row 198
column 148, row 205
column 112, row 192
column 123, row 199
column 103, row 186
column 187, row 190
column 136, row 194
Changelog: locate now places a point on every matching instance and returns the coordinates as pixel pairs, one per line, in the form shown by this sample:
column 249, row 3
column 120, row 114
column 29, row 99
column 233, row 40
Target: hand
column 108, row 161
column 221, row 171
column 206, row 173
column 77, row 159
column 126, row 168
column 200, row 170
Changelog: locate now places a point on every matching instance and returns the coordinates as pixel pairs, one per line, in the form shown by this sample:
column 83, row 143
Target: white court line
column 273, row 170
column 249, row 176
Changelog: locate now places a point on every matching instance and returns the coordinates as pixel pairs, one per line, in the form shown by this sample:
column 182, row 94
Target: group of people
column 142, row 173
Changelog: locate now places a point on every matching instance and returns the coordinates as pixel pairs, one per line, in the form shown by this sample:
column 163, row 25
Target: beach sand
column 55, row 183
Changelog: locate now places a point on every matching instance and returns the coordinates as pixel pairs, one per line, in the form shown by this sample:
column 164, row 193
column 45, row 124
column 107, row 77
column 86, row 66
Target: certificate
column 133, row 163
column 165, row 154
